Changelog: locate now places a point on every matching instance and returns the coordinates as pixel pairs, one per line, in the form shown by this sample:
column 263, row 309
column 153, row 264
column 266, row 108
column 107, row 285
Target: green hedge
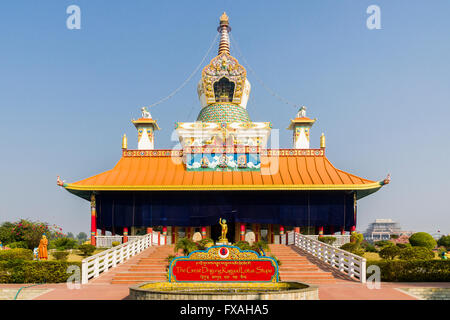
column 413, row 271
column 22, row 271
column 19, row 253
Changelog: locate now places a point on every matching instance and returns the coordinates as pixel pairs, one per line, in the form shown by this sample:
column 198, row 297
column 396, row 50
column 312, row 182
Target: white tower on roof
column 146, row 127
column 301, row 126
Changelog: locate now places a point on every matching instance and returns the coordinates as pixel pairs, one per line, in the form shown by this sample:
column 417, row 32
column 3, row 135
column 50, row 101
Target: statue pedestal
column 221, row 243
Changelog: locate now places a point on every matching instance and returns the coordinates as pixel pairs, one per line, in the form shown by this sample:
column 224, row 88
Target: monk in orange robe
column 43, row 255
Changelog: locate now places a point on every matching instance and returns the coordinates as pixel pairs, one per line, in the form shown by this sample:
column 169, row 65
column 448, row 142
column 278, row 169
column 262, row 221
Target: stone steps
column 151, row 267
column 297, row 267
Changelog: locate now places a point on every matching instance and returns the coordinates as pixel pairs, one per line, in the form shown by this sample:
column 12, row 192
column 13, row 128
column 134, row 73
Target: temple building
column 223, row 169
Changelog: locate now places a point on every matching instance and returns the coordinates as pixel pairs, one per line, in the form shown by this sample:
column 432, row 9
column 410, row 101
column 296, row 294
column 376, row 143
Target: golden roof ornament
column 224, row 17
column 124, row 142
column 322, row 141
column 223, row 29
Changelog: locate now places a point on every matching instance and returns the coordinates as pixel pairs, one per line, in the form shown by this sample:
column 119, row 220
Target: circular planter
column 217, row 291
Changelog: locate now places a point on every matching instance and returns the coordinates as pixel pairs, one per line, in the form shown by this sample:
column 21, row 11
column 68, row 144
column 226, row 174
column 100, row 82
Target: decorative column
column 203, row 232
column 281, row 230
column 297, row 229
column 342, row 230
column 270, row 233
column 352, row 229
column 320, row 232
column 257, row 233
column 174, row 234
column 149, row 230
column 103, row 231
column 165, row 231
column 188, row 232
column 93, row 221
column 125, row 234
column 242, row 232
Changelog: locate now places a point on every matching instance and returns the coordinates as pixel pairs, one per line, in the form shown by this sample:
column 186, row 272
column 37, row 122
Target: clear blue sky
column 380, row 96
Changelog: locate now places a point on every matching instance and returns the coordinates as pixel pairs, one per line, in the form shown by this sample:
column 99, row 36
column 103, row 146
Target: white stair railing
column 93, row 266
column 348, row 263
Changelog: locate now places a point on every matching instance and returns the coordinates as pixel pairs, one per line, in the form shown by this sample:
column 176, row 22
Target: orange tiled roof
column 166, row 172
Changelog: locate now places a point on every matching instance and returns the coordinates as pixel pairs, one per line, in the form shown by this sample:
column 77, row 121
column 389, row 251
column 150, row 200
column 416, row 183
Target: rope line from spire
column 188, row 78
column 272, row 92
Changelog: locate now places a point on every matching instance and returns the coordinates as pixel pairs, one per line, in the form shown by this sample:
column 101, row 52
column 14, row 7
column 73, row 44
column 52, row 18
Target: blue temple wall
column 203, row 208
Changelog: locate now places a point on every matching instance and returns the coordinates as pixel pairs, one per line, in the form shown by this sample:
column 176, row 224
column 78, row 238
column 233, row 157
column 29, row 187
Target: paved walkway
column 335, row 291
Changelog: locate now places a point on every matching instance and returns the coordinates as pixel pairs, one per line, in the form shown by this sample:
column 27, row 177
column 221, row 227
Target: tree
column 354, row 248
column 30, row 232
column 70, row 235
column 444, row 241
column 64, row 243
column 82, row 237
column 422, row 239
column 389, row 252
column 356, row 237
column 87, row 249
column 6, row 233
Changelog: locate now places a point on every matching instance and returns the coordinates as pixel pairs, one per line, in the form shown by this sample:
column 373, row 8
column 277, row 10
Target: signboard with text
column 223, row 264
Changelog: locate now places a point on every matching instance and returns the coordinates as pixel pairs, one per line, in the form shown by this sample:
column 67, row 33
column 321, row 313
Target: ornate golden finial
column 224, row 28
column 322, row 141
column 124, row 142
column 224, row 17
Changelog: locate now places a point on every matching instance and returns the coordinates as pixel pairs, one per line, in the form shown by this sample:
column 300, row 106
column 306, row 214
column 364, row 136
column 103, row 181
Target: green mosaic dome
column 223, row 112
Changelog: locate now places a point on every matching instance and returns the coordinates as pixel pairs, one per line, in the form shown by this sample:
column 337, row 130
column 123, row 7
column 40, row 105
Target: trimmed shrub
column 403, row 245
column 389, row 252
column 87, row 249
column 368, row 247
column 20, row 271
column 18, row 244
column 115, row 243
column 416, row 253
column 383, row 243
column 356, row 237
column 422, row 239
column 444, row 241
column 353, row 248
column 16, row 254
column 328, row 240
column 60, row 255
column 414, row 271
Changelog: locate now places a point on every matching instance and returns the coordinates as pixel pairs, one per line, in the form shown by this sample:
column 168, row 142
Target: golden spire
column 224, row 17
column 124, row 142
column 224, row 28
column 322, row 141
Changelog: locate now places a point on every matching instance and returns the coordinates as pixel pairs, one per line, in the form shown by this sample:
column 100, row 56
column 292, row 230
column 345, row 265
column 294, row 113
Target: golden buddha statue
column 223, row 223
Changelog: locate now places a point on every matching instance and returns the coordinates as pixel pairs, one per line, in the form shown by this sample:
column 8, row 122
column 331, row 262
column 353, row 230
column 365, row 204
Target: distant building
column 383, row 229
